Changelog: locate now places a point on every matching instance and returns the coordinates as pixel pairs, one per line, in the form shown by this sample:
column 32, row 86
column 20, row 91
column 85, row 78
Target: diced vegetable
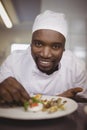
column 34, row 104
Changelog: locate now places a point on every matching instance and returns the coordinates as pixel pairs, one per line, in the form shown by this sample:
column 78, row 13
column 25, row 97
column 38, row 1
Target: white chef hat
column 51, row 20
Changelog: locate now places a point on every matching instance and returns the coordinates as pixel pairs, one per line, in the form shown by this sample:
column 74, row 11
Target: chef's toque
column 52, row 21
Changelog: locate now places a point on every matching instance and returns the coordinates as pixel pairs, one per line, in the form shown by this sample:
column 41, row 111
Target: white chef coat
column 22, row 67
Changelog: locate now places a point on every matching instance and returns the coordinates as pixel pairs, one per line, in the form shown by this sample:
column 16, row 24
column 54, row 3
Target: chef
column 45, row 67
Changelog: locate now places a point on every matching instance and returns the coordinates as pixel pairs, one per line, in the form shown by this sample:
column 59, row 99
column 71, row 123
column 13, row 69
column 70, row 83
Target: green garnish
column 36, row 100
column 31, row 101
column 26, row 104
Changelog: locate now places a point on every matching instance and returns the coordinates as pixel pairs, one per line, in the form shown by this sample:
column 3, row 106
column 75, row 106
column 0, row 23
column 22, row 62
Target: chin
column 47, row 71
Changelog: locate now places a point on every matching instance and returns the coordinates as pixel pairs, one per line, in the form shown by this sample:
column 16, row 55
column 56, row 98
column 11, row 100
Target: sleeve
column 80, row 74
column 77, row 68
column 6, row 69
column 81, row 77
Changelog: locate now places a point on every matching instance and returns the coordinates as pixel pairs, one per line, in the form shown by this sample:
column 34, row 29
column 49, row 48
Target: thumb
column 76, row 90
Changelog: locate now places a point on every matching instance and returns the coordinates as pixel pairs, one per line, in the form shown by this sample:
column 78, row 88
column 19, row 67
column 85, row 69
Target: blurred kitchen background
column 22, row 14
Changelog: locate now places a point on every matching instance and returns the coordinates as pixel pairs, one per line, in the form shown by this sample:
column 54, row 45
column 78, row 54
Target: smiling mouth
column 45, row 63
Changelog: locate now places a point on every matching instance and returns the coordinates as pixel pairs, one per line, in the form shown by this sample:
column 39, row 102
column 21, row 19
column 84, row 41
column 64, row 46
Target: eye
column 56, row 46
column 37, row 43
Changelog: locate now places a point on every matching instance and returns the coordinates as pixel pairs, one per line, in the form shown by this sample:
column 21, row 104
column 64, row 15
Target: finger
column 17, row 90
column 23, row 101
column 77, row 89
column 24, row 94
column 5, row 96
column 18, row 93
column 20, row 96
column 15, row 94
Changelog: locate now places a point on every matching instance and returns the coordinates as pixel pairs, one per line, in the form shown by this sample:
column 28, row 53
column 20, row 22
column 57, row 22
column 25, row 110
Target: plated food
column 42, row 107
column 37, row 103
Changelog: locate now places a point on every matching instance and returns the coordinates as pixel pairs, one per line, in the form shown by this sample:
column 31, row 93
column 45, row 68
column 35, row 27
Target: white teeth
column 45, row 62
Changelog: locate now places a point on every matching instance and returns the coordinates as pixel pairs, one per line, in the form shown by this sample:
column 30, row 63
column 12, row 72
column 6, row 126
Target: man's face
column 47, row 48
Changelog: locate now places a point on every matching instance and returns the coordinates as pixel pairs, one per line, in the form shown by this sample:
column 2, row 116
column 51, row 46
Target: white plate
column 20, row 113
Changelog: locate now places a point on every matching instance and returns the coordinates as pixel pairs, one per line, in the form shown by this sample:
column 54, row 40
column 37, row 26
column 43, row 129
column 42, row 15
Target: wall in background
column 8, row 37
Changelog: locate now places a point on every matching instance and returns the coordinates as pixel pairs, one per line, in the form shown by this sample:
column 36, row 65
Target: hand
column 71, row 93
column 12, row 91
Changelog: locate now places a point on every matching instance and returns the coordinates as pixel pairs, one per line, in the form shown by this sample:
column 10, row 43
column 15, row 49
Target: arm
column 12, row 91
column 79, row 78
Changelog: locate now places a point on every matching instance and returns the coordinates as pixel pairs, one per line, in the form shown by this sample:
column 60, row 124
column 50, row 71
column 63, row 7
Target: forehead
column 48, row 35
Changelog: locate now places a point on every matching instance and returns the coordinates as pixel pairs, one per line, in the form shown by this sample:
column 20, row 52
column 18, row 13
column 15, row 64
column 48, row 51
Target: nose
column 46, row 52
